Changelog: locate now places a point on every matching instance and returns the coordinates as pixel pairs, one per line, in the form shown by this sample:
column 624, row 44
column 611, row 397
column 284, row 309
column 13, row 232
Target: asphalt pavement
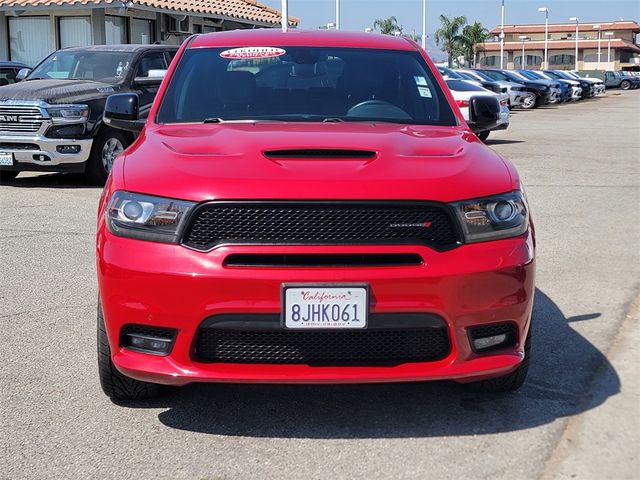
column 578, row 415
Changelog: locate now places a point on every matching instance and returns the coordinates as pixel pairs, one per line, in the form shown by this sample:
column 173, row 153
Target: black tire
column 483, row 135
column 114, row 384
column 8, row 175
column 97, row 171
column 510, row 382
column 625, row 85
column 529, row 102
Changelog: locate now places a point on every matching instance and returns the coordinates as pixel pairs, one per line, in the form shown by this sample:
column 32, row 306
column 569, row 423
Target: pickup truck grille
column 338, row 223
column 20, row 120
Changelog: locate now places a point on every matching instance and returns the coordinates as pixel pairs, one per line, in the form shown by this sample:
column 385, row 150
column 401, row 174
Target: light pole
column 599, row 28
column 337, row 14
column 502, row 37
column 608, row 35
column 575, row 19
column 285, row 15
column 424, row 25
column 523, row 38
column 546, row 35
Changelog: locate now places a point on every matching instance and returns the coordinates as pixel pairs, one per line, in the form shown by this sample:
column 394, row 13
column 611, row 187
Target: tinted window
column 7, row 75
column 305, row 84
column 463, row 86
column 110, row 67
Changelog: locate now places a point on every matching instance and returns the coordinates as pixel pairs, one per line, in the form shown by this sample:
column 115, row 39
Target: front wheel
column 511, row 381
column 529, row 101
column 106, row 147
column 114, row 384
column 625, row 85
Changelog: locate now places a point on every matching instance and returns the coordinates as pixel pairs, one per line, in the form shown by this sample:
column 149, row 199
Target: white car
column 463, row 90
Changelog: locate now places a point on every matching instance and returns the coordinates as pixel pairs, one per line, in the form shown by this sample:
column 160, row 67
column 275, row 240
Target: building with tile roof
column 31, row 29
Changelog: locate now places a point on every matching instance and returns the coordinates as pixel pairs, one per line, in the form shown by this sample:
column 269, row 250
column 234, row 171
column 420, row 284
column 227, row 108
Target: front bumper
column 41, row 153
column 171, row 286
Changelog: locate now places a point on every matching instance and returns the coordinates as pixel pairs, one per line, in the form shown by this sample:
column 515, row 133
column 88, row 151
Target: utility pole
column 575, row 19
column 285, row 15
column 424, row 25
column 502, row 37
column 337, row 14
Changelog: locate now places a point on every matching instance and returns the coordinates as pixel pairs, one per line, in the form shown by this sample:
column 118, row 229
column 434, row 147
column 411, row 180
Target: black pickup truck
column 52, row 120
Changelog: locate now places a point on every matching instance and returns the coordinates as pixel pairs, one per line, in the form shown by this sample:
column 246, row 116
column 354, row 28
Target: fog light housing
column 68, row 149
column 148, row 339
column 495, row 336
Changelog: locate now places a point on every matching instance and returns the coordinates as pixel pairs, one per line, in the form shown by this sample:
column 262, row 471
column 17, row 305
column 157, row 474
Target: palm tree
column 471, row 36
column 448, row 36
column 388, row 26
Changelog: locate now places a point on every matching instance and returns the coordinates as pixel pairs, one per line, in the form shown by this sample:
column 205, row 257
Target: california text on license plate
column 324, row 307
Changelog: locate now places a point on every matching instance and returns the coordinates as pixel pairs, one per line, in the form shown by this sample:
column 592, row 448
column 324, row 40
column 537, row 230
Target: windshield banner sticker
column 253, row 52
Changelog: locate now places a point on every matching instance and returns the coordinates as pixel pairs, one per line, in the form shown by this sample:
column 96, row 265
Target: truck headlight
column 146, row 217
column 61, row 114
column 493, row 218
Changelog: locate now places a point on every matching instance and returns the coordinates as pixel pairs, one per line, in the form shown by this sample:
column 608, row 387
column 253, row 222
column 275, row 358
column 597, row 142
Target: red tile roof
column 568, row 27
column 248, row 10
column 557, row 45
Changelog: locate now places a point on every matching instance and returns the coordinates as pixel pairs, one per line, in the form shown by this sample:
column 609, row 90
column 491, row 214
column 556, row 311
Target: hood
column 57, row 91
column 228, row 161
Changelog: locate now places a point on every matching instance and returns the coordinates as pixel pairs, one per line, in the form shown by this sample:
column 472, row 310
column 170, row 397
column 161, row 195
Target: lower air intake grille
column 257, row 343
column 346, row 223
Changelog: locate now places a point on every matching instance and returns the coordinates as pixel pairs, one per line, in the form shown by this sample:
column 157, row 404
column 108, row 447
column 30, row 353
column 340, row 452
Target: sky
column 359, row 14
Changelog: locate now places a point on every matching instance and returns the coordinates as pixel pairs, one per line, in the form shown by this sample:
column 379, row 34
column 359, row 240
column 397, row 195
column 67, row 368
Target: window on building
column 29, row 39
column 564, row 59
column 530, row 61
column 116, row 30
column 74, row 31
column 142, row 31
column 490, row 61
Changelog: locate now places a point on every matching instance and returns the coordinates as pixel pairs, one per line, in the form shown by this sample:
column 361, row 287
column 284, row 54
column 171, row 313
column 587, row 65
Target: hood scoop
column 320, row 154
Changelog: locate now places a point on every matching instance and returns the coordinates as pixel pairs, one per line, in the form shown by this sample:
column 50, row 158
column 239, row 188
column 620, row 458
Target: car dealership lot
column 580, row 166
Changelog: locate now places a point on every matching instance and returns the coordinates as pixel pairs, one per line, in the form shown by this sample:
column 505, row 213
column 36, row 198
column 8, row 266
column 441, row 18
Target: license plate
column 316, row 307
column 6, row 159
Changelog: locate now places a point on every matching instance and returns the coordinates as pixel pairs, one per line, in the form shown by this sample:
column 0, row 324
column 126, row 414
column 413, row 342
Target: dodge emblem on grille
column 425, row 224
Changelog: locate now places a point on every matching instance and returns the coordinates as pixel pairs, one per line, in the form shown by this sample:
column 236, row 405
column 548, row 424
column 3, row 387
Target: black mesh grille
column 347, row 347
column 334, row 223
column 484, row 331
column 148, row 331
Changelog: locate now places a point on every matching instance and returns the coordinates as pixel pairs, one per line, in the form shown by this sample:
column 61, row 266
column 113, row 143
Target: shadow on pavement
column 49, row 180
column 563, row 366
column 501, row 141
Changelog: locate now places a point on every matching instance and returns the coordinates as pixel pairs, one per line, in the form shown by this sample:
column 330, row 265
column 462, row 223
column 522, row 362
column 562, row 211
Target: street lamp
column 599, row 28
column 575, row 19
column 502, row 37
column 337, row 14
column 424, row 24
column 608, row 35
column 546, row 34
column 285, row 15
column 523, row 38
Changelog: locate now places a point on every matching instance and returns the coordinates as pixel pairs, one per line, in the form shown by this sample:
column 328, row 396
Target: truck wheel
column 114, row 384
column 483, row 135
column 529, row 101
column 510, row 382
column 106, row 147
column 625, row 85
column 8, row 175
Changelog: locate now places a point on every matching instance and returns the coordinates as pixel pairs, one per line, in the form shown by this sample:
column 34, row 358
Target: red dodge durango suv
column 310, row 207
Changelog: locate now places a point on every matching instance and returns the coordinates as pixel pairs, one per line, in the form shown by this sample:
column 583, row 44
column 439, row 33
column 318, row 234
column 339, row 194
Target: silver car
column 517, row 93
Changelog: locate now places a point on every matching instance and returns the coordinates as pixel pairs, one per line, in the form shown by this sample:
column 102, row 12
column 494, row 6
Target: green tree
column 448, row 35
column 471, row 36
column 387, row 26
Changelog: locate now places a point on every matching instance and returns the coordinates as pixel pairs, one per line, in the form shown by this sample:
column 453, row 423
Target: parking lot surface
column 576, row 417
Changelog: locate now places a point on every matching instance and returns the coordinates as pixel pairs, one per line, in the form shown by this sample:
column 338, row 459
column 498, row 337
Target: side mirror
column 154, row 79
column 484, row 112
column 22, row 74
column 122, row 111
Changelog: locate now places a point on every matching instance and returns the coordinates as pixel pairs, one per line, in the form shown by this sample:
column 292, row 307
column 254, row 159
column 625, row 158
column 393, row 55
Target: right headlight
column 493, row 218
column 146, row 217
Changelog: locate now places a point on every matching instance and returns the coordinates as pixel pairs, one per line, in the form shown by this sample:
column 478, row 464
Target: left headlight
column 62, row 114
column 146, row 217
column 493, row 218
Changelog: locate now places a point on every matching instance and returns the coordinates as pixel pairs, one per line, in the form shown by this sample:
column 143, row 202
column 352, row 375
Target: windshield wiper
column 333, row 120
column 213, row 120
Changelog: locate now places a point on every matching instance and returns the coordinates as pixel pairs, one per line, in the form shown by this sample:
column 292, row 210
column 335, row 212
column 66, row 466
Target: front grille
column 17, row 119
column 261, row 340
column 18, row 146
column 346, row 223
column 322, row 260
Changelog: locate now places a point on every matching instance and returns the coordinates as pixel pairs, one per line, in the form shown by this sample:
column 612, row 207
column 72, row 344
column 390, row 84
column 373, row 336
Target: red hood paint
column 226, row 161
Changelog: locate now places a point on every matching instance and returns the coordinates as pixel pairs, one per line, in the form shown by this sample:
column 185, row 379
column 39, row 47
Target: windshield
column 463, row 86
column 479, row 75
column 552, row 75
column 304, row 84
column 496, row 75
column 518, row 75
column 108, row 67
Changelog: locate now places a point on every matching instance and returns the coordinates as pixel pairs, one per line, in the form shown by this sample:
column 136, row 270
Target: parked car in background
column 9, row 72
column 629, row 80
column 587, row 87
column 52, row 120
column 463, row 91
column 598, row 85
column 287, row 221
column 571, row 90
column 517, row 92
column 489, row 84
column 540, row 89
column 555, row 87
